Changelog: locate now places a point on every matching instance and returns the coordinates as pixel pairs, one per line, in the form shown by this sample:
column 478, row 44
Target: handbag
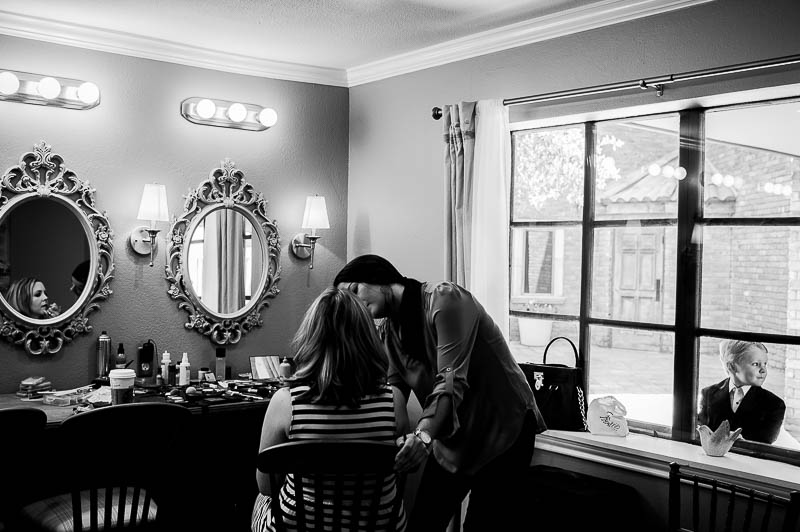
column 558, row 390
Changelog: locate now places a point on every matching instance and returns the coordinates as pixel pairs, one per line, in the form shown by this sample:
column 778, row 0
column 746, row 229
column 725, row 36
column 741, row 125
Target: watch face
column 424, row 436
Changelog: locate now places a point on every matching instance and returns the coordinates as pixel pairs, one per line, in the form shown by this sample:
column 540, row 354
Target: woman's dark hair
column 370, row 269
column 337, row 350
column 81, row 271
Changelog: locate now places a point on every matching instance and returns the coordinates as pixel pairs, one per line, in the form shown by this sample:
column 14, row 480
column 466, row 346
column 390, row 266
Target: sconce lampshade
column 154, row 203
column 316, row 215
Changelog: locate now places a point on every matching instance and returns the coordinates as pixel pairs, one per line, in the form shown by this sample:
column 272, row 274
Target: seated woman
column 339, row 385
column 29, row 296
column 740, row 397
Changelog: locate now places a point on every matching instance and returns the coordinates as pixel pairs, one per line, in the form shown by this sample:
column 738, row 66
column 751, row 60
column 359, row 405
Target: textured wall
column 396, row 187
column 136, row 135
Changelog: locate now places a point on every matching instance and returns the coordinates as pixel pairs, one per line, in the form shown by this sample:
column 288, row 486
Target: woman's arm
column 400, row 413
column 455, row 318
column 274, row 430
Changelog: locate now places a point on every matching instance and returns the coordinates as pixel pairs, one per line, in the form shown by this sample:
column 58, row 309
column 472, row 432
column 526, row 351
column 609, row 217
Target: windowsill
column 651, row 456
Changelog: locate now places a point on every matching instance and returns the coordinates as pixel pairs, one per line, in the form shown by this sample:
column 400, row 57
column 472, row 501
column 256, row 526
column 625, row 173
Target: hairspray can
column 103, row 354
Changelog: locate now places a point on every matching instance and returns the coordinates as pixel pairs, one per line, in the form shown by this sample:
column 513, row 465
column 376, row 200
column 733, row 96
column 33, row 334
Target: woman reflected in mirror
column 28, row 296
column 78, row 278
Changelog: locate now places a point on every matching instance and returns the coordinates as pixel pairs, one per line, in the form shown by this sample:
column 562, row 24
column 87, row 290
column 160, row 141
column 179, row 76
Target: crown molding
column 123, row 43
column 539, row 29
column 575, row 20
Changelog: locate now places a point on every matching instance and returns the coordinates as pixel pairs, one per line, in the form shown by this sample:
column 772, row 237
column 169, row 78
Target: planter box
column 534, row 331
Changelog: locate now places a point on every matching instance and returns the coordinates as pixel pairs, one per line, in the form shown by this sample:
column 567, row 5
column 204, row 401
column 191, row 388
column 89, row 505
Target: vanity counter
column 57, row 414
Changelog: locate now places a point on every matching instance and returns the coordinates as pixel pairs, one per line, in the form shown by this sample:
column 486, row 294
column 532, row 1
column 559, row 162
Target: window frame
column 689, row 221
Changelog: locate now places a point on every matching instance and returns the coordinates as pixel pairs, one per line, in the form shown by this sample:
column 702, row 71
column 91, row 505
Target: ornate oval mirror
column 55, row 253
column 224, row 256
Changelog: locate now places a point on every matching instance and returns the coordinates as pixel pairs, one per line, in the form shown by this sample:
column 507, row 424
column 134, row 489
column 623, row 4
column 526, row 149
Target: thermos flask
column 103, row 354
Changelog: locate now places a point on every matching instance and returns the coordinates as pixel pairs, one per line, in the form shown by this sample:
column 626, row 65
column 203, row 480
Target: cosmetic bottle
column 285, row 368
column 172, row 374
column 120, row 360
column 184, row 371
column 165, row 360
column 219, row 369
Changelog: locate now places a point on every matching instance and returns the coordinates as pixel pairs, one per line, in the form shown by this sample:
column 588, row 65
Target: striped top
column 372, row 420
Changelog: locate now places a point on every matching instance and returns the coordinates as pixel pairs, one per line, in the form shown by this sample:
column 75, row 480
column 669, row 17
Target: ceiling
column 336, row 42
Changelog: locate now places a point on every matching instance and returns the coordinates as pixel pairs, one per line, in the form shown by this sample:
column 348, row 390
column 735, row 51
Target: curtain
column 223, row 262
column 477, row 161
column 459, row 134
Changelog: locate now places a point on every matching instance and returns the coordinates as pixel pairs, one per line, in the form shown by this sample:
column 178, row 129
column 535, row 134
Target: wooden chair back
column 23, row 433
column 338, row 472
column 113, row 460
column 729, row 507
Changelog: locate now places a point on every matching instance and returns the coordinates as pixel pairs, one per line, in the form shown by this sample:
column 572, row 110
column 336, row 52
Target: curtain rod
column 656, row 83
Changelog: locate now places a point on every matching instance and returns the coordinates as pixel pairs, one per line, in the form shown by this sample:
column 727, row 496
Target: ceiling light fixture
column 223, row 113
column 37, row 89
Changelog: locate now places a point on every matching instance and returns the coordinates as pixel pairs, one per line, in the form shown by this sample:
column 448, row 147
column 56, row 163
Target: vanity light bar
column 222, row 113
column 39, row 89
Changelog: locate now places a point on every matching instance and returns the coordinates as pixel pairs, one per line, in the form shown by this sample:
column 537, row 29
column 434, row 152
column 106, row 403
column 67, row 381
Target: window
column 682, row 230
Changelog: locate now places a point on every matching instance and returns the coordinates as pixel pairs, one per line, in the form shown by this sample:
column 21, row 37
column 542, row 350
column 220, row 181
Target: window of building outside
column 744, row 253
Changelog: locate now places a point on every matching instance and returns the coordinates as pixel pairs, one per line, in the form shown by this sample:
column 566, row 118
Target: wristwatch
column 424, row 437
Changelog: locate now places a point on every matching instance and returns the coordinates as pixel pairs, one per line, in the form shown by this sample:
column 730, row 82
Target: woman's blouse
column 372, row 420
column 468, row 359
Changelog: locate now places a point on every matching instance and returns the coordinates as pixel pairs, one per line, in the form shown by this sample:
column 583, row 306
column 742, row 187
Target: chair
column 23, row 430
column 343, row 475
column 755, row 503
column 115, row 468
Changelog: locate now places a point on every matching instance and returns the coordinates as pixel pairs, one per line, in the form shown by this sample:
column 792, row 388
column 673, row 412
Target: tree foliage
column 549, row 167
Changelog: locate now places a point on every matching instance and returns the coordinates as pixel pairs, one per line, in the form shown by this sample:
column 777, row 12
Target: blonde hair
column 337, row 350
column 20, row 295
column 732, row 352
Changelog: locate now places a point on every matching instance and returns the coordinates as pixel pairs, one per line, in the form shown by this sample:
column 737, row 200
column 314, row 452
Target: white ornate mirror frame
column 41, row 174
column 225, row 188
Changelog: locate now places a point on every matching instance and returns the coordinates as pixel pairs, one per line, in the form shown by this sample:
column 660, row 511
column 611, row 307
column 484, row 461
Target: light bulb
column 9, row 83
column 768, row 188
column 49, row 88
column 728, row 180
column 668, row 171
column 237, row 112
column 680, row 173
column 654, row 169
column 205, row 108
column 716, row 179
column 268, row 117
column 88, row 93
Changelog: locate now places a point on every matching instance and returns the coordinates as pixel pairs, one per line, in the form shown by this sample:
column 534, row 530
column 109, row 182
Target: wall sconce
column 315, row 217
column 37, row 89
column 153, row 208
column 221, row 113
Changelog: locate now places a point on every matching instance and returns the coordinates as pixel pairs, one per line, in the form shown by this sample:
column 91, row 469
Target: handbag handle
column 574, row 349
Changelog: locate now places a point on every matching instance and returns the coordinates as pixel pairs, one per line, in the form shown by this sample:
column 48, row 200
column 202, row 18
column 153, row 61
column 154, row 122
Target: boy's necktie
column 738, row 395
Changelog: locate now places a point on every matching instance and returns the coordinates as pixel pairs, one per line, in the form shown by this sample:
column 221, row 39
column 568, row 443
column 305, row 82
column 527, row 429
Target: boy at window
column 740, row 398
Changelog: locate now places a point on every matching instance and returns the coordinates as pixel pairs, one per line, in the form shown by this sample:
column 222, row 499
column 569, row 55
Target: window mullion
column 587, row 249
column 687, row 300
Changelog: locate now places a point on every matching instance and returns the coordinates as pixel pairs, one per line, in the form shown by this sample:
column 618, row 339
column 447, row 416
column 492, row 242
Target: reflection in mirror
column 45, row 258
column 224, row 261
column 224, row 257
column 55, row 253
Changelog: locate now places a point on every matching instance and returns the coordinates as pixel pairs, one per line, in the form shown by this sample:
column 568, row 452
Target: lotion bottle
column 184, row 371
column 165, row 360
